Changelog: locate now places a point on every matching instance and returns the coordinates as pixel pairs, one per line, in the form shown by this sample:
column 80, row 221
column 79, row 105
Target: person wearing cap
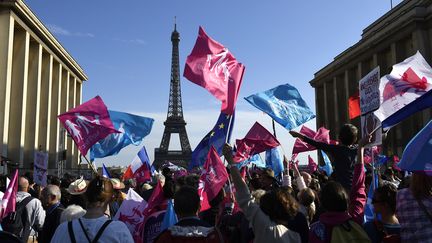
column 118, row 196
column 77, row 189
column 94, row 226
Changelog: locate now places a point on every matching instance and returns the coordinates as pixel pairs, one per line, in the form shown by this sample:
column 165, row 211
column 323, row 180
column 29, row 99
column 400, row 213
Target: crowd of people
column 254, row 205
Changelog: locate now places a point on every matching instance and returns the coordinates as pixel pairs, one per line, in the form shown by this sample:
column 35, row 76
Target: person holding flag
column 344, row 154
column 269, row 219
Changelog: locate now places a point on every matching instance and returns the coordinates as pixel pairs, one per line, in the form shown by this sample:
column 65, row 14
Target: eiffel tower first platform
column 175, row 123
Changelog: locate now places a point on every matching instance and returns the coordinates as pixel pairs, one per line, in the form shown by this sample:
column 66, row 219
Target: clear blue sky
column 124, row 47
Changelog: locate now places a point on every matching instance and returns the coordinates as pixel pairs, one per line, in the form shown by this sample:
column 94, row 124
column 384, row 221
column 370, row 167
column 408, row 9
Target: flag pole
column 274, row 128
column 91, row 164
column 228, row 137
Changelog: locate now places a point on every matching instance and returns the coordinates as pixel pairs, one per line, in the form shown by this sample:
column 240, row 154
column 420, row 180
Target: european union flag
column 274, row 160
column 216, row 137
column 133, row 129
column 284, row 104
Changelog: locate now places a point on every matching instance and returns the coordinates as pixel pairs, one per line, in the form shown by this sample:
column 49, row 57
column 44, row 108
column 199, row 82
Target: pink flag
column 292, row 164
column 88, row 123
column 257, row 140
column 312, row 166
column 322, row 135
column 213, row 67
column 395, row 162
column 131, row 213
column 156, row 202
column 367, row 157
column 9, row 197
column 212, row 179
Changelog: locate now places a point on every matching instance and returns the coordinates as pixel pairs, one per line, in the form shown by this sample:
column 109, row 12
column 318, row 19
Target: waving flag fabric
column 212, row 179
column 133, row 129
column 131, row 213
column 170, row 217
column 156, row 200
column 369, row 214
column 284, row 104
column 257, row 140
column 88, row 123
column 140, row 168
column 322, row 135
column 216, row 138
column 255, row 159
column 408, row 81
column 105, row 172
column 327, row 167
column 213, row 67
column 418, row 152
column 9, row 197
column 274, row 160
column 312, row 166
column 354, row 106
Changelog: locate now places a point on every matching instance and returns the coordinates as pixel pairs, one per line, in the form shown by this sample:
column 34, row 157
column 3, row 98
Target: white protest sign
column 40, row 168
column 369, row 91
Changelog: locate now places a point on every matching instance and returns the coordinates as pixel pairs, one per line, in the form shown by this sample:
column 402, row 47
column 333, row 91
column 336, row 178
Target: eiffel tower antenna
column 175, row 123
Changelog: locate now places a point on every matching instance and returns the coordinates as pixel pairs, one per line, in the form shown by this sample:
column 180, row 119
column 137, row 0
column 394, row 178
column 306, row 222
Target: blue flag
column 274, row 160
column 284, row 104
column 255, row 159
column 327, row 167
column 418, row 152
column 216, row 137
column 421, row 103
column 369, row 214
column 133, row 130
column 105, row 172
column 170, row 217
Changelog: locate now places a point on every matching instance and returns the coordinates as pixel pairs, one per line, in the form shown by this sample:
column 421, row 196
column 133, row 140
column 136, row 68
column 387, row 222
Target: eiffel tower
column 175, row 123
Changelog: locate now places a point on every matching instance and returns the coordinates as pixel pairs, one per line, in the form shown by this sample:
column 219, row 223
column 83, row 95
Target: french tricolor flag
column 140, row 168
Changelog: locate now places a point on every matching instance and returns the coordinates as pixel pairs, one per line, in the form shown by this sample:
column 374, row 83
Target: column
column 18, row 97
column 326, row 115
column 77, row 101
column 317, row 108
column 336, row 103
column 347, row 92
column 33, row 101
column 71, row 104
column 421, row 42
column 6, row 48
column 45, row 102
column 55, row 106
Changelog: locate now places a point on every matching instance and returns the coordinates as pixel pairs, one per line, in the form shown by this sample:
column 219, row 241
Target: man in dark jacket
column 189, row 228
column 51, row 196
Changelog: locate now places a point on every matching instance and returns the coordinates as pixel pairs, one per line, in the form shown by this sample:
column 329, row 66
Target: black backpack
column 16, row 222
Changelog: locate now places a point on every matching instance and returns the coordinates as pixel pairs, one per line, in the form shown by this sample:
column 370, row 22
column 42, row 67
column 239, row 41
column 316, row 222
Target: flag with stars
column 216, row 137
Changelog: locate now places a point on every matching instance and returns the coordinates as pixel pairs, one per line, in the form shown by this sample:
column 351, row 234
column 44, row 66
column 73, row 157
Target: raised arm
column 319, row 145
column 358, row 193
